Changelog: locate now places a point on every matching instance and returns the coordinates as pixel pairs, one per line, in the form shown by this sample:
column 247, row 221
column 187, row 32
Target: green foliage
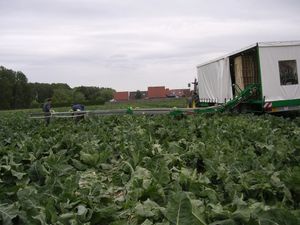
column 181, row 210
column 60, row 86
column 17, row 93
column 41, row 91
column 210, row 169
column 95, row 95
column 138, row 95
column 15, row 90
column 35, row 104
column 78, row 97
column 62, row 96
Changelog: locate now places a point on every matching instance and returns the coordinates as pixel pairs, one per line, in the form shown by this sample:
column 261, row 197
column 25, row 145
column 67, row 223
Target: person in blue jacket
column 78, row 107
column 46, row 109
column 78, row 112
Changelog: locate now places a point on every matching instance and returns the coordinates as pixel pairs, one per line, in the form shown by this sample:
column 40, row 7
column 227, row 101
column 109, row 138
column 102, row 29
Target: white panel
column 215, row 81
column 269, row 58
column 278, row 43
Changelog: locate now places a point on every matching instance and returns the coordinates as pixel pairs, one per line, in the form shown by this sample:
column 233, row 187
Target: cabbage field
column 204, row 169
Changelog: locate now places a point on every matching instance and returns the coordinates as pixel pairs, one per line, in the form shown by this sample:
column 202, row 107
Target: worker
column 78, row 107
column 78, row 112
column 196, row 99
column 47, row 110
column 193, row 100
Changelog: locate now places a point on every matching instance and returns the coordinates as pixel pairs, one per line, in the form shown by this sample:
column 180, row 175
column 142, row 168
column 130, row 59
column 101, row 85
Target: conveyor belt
column 244, row 95
column 130, row 111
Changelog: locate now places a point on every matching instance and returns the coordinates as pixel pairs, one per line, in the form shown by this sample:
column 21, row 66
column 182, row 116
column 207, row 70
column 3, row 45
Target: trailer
column 272, row 67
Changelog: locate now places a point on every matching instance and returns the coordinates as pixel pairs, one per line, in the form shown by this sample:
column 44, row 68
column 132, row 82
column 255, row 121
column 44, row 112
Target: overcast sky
column 132, row 44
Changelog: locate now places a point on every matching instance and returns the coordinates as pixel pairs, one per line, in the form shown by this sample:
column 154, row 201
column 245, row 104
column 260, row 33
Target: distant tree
column 16, row 92
column 61, row 92
column 90, row 93
column 21, row 92
column 35, row 104
column 62, row 97
column 6, row 88
column 78, row 97
column 41, row 91
column 95, row 94
column 138, row 94
column 60, row 86
column 107, row 93
column 99, row 100
column 14, row 89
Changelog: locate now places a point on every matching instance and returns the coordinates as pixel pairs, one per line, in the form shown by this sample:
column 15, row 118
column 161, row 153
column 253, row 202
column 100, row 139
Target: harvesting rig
column 259, row 78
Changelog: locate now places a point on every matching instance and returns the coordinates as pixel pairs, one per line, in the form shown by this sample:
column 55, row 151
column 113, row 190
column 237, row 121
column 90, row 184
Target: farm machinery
column 228, row 106
column 259, row 78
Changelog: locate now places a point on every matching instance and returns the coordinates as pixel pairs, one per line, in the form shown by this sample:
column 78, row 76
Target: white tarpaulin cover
column 270, row 56
column 215, row 81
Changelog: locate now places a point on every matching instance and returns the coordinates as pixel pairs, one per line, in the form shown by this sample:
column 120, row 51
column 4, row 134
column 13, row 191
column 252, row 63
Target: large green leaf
column 149, row 209
column 8, row 213
column 180, row 211
column 278, row 217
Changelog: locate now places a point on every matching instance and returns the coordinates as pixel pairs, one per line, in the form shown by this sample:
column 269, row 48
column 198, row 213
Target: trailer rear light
column 268, row 106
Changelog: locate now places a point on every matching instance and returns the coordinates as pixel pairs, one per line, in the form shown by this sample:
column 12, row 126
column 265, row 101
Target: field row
column 210, row 169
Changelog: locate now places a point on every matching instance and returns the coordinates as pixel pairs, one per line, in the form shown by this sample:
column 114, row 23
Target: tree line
column 17, row 93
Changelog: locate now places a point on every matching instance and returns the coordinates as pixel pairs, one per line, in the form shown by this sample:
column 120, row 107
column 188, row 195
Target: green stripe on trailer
column 282, row 103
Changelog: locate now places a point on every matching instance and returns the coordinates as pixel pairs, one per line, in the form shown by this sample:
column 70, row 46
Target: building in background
column 154, row 92
column 157, row 92
column 178, row 93
column 133, row 95
column 121, row 96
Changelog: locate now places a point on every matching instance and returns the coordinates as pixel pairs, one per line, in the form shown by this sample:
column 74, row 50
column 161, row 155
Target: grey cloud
column 129, row 44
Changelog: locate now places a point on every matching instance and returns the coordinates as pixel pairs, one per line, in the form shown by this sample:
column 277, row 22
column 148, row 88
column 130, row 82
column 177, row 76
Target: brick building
column 132, row 95
column 157, row 92
column 178, row 93
column 154, row 92
column 121, row 96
